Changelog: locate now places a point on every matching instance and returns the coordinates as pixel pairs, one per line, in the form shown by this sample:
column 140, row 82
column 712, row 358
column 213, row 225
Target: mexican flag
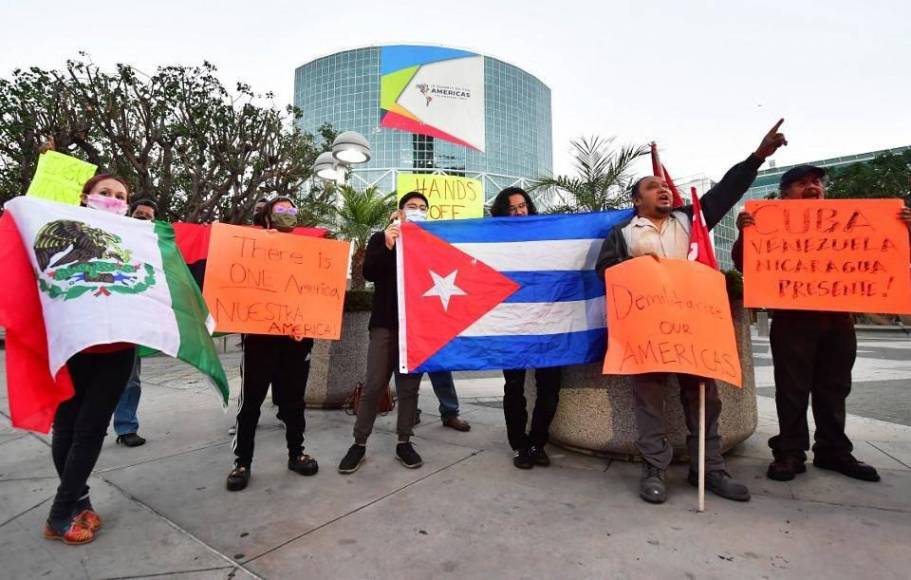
column 73, row 278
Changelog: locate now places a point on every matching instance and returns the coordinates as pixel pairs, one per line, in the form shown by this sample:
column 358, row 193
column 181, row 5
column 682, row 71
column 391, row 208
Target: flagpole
column 701, row 507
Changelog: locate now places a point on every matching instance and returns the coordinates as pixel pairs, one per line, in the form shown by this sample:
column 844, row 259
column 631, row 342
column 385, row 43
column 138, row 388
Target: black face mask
column 259, row 219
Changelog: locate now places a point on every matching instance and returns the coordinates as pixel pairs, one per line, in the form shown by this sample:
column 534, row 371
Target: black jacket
column 379, row 268
column 715, row 203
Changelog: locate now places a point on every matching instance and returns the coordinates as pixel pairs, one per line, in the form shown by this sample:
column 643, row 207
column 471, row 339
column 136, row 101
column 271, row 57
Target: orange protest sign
column 669, row 316
column 846, row 255
column 266, row 282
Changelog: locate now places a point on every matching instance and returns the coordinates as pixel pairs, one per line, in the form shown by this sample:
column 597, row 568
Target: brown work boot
column 457, row 424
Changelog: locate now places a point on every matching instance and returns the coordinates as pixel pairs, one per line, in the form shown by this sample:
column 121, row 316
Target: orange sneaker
column 89, row 519
column 77, row 533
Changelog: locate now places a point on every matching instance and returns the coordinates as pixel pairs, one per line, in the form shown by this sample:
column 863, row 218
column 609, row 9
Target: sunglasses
column 285, row 210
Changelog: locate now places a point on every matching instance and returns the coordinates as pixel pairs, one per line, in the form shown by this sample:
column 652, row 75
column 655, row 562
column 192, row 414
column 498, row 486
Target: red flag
column 33, row 393
column 700, row 242
column 659, row 170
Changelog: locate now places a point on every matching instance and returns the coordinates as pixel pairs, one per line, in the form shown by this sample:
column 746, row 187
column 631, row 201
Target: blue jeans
column 444, row 389
column 125, row 420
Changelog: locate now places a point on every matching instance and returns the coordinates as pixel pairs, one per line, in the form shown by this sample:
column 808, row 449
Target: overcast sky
column 703, row 79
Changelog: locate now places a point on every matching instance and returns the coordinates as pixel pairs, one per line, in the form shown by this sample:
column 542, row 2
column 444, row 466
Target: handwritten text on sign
column 669, row 316
column 60, row 177
column 836, row 255
column 266, row 282
column 450, row 198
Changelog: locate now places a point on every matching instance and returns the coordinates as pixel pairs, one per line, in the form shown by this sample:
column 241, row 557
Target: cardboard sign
column 450, row 198
column 845, row 255
column 60, row 177
column 266, row 282
column 669, row 316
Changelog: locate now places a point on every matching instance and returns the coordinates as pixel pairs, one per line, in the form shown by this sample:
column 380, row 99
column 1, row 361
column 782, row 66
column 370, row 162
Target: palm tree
column 602, row 180
column 355, row 216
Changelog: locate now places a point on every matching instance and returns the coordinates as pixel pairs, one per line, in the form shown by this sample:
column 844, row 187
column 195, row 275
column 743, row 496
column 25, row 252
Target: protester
column 258, row 217
column 527, row 446
column 658, row 229
column 126, row 423
column 382, row 350
column 444, row 389
column 285, row 363
column 99, row 375
column 813, row 353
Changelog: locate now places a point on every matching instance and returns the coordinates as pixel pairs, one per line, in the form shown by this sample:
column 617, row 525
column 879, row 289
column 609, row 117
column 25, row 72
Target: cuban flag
column 502, row 293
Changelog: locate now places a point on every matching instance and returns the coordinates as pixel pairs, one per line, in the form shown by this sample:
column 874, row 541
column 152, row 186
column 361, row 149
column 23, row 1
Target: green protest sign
column 60, row 177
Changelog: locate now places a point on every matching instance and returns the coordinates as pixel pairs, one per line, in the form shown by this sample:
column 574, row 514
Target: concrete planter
column 596, row 416
column 336, row 366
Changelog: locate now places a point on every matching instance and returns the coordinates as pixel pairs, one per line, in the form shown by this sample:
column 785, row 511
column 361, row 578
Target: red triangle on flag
column 445, row 290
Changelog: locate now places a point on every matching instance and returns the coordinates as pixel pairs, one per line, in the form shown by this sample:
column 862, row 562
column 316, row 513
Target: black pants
column 285, row 363
column 81, row 423
column 650, row 392
column 547, row 382
column 813, row 353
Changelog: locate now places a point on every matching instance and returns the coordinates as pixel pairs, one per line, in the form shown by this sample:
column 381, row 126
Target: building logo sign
column 433, row 91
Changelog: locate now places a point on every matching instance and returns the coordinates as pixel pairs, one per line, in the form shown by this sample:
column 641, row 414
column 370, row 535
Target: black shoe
column 522, row 459
column 417, row 417
column 130, row 440
column 720, row 482
column 785, row 467
column 238, row 478
column 539, row 456
column 408, row 456
column 353, row 459
column 303, row 464
column 847, row 465
column 651, row 486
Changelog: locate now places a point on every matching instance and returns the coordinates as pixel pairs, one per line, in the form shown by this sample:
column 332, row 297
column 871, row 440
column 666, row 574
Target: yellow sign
column 60, row 177
column 450, row 198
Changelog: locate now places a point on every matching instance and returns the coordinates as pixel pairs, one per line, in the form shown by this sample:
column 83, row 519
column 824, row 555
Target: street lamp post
column 348, row 149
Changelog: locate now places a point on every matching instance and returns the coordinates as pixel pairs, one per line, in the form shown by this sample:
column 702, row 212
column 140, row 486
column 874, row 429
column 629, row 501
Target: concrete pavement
column 467, row 513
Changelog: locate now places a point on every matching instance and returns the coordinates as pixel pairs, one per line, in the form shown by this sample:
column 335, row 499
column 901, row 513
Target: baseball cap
column 799, row 172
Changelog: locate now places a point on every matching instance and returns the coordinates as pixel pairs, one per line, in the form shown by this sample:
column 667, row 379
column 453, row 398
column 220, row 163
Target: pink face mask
column 108, row 204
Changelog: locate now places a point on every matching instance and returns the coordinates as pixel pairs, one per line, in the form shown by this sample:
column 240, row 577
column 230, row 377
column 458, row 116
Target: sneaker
column 456, row 423
column 303, row 464
column 232, row 430
column 408, row 456
column 652, row 487
column 89, row 519
column 353, row 459
column 521, row 458
column 847, row 465
column 76, row 533
column 720, row 482
column 130, row 440
column 539, row 456
column 785, row 467
column 238, row 478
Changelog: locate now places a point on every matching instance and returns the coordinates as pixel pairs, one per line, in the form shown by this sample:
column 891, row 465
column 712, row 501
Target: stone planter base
column 336, row 366
column 596, row 415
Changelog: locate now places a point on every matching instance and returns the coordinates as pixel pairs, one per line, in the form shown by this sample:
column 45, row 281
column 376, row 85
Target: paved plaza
column 467, row 513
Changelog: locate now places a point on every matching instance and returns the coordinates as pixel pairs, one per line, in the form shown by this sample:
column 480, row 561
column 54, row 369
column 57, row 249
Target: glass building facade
column 343, row 89
column 766, row 183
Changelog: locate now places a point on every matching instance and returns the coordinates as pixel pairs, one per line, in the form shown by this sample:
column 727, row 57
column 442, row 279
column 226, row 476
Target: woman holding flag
column 528, row 447
column 661, row 227
column 99, row 374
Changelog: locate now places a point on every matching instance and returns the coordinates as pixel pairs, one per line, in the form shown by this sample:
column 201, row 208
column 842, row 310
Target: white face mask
column 108, row 204
column 416, row 215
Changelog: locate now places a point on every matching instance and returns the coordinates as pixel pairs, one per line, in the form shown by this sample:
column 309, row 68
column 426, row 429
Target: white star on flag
column 444, row 287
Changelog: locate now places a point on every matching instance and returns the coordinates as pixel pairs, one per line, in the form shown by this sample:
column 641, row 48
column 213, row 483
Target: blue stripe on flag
column 555, row 286
column 519, row 352
column 528, row 229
